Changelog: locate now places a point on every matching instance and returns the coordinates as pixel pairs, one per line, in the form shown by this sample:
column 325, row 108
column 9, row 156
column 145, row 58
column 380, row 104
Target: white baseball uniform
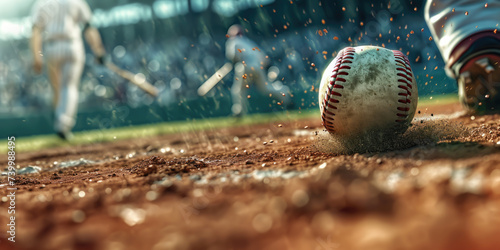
column 249, row 63
column 61, row 24
column 451, row 21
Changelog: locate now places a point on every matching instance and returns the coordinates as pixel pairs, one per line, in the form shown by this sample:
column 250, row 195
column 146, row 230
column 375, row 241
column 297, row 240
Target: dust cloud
column 421, row 132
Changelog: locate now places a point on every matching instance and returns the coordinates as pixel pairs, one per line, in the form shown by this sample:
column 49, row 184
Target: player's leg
column 276, row 89
column 67, row 107
column 54, row 73
column 467, row 37
column 238, row 91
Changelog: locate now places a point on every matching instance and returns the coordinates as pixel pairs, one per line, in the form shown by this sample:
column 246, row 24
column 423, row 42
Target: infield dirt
column 282, row 185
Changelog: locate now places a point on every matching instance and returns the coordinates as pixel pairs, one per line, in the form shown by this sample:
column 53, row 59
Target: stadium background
column 178, row 44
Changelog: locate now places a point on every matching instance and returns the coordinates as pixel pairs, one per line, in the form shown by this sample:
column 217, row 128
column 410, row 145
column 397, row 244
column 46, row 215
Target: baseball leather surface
column 368, row 89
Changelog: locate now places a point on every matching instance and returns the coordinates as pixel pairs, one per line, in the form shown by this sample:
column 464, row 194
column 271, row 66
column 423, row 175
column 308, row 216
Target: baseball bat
column 141, row 83
column 215, row 78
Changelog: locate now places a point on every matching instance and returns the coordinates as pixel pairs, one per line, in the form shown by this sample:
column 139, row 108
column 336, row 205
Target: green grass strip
column 38, row 142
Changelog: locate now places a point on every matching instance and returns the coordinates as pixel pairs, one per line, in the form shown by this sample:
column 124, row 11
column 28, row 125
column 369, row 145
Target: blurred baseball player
column 466, row 32
column 57, row 24
column 249, row 67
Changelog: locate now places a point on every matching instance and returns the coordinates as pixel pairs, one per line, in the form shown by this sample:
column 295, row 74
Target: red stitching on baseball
column 405, row 76
column 407, row 84
column 404, row 87
column 404, row 72
column 347, row 53
column 329, row 112
column 335, row 93
column 408, row 73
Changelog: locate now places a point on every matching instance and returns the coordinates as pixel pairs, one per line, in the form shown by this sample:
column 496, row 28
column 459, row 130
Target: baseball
column 368, row 89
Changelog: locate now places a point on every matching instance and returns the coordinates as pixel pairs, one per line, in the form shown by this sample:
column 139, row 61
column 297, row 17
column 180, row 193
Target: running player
column 57, row 26
column 249, row 67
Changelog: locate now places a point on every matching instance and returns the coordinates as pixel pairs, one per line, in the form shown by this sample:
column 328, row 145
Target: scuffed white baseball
column 368, row 89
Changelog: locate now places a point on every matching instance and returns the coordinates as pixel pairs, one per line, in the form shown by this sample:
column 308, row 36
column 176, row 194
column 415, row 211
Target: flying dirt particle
column 430, row 38
column 466, row 13
column 313, row 65
column 343, row 8
column 279, row 125
column 323, row 21
column 264, row 143
column 248, row 96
